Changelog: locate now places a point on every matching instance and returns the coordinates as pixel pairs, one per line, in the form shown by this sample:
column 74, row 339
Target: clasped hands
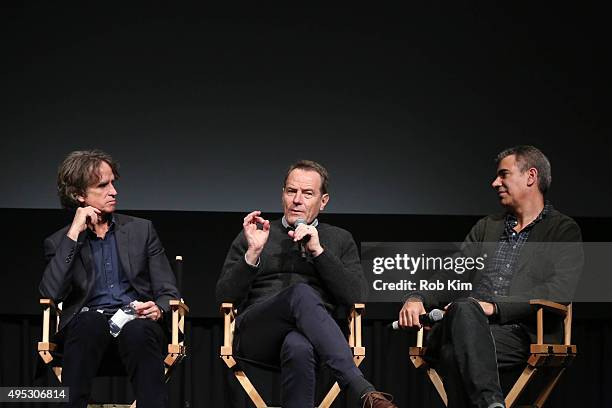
column 147, row 310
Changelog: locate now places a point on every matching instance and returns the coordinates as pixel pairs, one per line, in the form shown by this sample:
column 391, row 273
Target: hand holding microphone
column 307, row 238
column 414, row 315
column 425, row 319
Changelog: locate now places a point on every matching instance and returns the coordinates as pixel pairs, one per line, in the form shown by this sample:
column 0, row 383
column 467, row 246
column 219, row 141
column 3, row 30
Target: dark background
column 205, row 106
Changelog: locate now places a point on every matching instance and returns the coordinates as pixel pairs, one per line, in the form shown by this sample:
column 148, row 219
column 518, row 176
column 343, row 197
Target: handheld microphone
column 305, row 239
column 427, row 319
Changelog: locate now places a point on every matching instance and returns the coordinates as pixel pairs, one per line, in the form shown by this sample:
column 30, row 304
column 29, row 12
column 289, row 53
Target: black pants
column 467, row 351
column 140, row 346
column 294, row 330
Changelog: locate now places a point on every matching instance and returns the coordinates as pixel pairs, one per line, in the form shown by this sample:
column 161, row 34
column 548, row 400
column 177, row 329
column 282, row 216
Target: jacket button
column 68, row 259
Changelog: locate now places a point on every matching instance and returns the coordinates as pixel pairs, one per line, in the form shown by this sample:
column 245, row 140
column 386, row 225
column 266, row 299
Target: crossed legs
column 294, row 330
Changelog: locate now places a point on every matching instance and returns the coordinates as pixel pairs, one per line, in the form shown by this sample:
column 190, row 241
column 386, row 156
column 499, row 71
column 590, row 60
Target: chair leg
column 519, row 386
column 331, row 396
column 58, row 373
column 548, row 389
column 437, row 382
column 250, row 389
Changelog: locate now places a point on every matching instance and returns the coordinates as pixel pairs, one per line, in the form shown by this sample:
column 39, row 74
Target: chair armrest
column 226, row 349
column 48, row 306
column 550, row 306
column 176, row 349
column 179, row 306
column 417, row 352
column 359, row 307
column 46, row 302
column 558, row 308
column 228, row 308
column 229, row 316
column 178, row 310
column 45, row 347
column 354, row 320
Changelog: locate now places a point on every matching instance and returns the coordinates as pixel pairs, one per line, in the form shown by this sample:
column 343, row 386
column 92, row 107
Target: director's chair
column 232, row 362
column 550, row 357
column 51, row 356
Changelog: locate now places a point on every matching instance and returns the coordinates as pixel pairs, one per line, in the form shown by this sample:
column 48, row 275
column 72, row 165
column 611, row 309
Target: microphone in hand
column 305, row 239
column 427, row 319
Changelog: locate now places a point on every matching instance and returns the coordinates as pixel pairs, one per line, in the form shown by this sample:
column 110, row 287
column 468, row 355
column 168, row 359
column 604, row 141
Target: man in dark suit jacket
column 98, row 264
column 532, row 251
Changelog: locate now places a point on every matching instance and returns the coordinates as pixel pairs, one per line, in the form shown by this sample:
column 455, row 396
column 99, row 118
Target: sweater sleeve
column 342, row 273
column 236, row 275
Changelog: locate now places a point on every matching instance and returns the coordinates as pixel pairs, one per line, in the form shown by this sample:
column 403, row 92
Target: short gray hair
column 310, row 165
column 527, row 157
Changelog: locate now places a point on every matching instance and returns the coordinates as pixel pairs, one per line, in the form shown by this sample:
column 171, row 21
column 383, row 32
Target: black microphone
column 427, row 319
column 305, row 239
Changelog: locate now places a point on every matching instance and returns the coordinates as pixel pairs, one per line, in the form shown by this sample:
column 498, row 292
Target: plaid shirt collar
column 511, row 220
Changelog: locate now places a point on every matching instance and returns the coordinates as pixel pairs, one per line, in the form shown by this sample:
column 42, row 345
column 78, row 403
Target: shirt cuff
column 251, row 265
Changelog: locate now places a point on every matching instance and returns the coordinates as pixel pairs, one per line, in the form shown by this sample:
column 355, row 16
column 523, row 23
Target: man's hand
column 256, row 238
column 409, row 315
column 487, row 308
column 147, row 310
column 83, row 217
column 313, row 245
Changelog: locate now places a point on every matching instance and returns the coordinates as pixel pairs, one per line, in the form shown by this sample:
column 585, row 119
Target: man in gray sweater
column 286, row 276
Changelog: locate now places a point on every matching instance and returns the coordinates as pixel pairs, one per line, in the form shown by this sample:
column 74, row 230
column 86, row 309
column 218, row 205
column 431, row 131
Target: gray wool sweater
column 336, row 273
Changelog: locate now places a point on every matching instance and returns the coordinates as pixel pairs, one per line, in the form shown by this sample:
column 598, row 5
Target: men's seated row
column 286, row 276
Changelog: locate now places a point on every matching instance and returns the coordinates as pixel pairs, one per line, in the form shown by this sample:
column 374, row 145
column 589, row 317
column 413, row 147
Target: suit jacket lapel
column 122, row 235
column 87, row 259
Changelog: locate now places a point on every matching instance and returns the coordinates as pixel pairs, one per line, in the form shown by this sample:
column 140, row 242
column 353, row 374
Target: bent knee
column 464, row 306
column 141, row 331
column 302, row 289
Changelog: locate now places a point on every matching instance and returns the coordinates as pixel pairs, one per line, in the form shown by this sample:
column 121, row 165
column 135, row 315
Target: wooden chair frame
column 176, row 348
column 226, row 353
column 557, row 356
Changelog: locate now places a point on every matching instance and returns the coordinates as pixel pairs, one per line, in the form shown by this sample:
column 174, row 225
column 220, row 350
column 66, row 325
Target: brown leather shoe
column 376, row 399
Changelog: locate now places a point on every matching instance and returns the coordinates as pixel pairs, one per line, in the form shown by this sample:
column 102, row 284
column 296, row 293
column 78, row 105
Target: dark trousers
column 140, row 346
column 294, row 330
column 467, row 351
